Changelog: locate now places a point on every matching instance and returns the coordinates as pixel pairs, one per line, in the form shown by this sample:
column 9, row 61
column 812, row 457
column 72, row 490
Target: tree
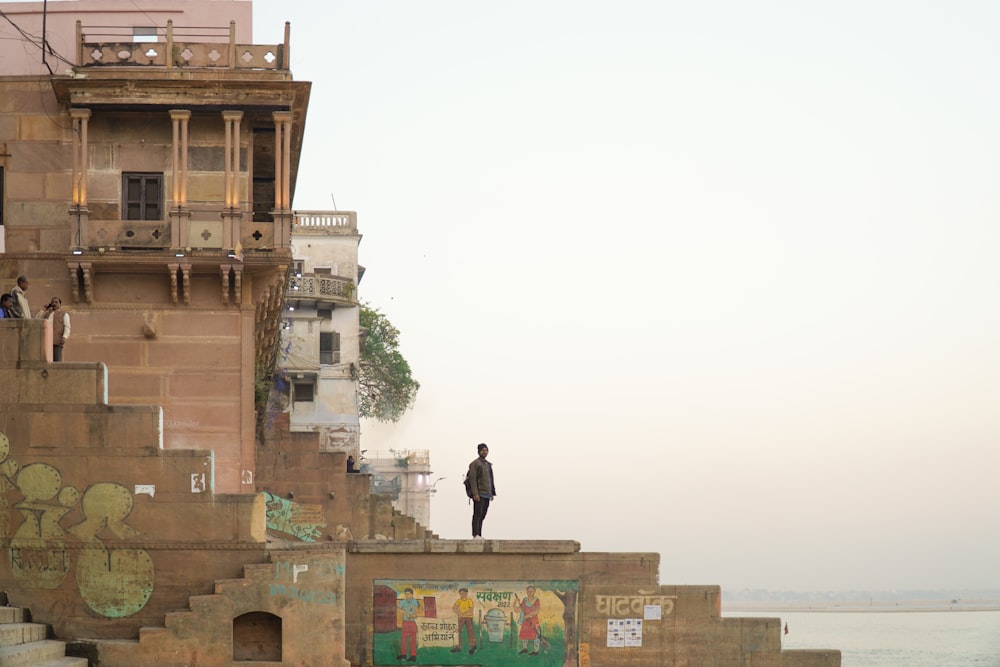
column 386, row 388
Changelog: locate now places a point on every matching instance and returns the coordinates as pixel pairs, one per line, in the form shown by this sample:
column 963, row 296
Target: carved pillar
column 238, row 288
column 282, row 214
column 180, row 216
column 282, row 159
column 79, row 214
column 172, row 269
column 74, row 280
column 186, row 283
column 232, row 216
column 226, row 268
column 88, row 288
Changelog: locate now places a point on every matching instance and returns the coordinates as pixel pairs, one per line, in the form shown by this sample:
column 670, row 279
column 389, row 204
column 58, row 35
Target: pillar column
column 282, row 179
column 180, row 216
column 232, row 216
column 79, row 214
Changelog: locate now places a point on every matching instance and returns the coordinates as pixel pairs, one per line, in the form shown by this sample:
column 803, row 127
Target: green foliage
column 386, row 388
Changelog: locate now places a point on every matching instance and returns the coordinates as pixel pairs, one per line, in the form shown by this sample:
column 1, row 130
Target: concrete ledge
column 465, row 546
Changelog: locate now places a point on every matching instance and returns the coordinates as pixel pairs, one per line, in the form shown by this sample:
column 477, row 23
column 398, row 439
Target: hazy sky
column 716, row 280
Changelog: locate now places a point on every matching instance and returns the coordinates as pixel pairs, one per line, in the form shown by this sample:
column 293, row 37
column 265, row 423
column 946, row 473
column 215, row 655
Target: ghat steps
column 26, row 644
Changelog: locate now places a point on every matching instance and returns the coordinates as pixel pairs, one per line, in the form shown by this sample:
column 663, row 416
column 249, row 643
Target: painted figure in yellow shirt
column 463, row 610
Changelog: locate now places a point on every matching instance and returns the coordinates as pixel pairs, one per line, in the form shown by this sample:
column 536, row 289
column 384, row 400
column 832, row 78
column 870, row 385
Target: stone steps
column 25, row 644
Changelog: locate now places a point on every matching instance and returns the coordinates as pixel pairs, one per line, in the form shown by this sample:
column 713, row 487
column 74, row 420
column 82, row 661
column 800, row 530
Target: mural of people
column 410, row 609
column 493, row 608
column 530, row 631
column 463, row 611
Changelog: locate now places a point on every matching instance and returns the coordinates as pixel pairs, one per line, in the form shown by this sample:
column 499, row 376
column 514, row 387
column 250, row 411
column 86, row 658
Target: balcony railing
column 312, row 287
column 206, row 228
column 325, row 222
column 209, row 47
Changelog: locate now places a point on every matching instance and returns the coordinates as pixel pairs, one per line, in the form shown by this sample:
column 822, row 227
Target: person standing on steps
column 60, row 325
column 483, row 489
column 21, row 307
column 6, row 306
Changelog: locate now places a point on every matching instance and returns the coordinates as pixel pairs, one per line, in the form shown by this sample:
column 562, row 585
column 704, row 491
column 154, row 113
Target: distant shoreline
column 875, row 606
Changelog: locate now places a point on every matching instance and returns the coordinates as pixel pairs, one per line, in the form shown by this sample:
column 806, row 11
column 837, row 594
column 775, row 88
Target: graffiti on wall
column 633, row 605
column 299, row 520
column 308, row 582
column 114, row 582
column 475, row 622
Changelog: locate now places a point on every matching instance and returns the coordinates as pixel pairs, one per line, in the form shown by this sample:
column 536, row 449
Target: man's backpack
column 468, row 486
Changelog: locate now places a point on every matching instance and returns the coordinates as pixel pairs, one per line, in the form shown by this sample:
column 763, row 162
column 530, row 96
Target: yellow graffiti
column 38, row 551
column 8, row 469
column 113, row 582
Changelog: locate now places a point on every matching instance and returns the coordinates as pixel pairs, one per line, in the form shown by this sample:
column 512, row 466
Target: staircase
column 267, row 616
column 405, row 527
column 25, row 644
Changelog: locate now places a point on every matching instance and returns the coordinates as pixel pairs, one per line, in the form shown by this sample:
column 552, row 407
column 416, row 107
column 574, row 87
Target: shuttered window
column 142, row 196
column 329, row 347
column 303, row 392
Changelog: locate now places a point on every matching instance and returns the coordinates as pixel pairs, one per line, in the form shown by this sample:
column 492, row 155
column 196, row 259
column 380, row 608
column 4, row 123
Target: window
column 142, row 196
column 302, row 392
column 324, row 313
column 143, row 35
column 329, row 347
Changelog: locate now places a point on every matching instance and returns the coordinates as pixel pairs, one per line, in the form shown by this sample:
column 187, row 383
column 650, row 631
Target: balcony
column 201, row 227
column 205, row 47
column 325, row 223
column 315, row 290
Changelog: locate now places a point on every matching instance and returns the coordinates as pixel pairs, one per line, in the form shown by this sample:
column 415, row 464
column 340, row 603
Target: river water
column 895, row 639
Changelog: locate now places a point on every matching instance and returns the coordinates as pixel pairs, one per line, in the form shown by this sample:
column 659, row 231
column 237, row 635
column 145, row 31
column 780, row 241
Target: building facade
column 406, row 477
column 319, row 356
column 157, row 203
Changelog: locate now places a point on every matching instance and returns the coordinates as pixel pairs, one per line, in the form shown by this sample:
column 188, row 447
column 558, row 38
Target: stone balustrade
column 209, row 47
column 313, row 287
column 325, row 222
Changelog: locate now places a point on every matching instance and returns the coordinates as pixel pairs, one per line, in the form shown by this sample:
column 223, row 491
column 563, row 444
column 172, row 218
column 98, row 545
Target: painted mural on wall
column 487, row 623
column 298, row 520
column 114, row 582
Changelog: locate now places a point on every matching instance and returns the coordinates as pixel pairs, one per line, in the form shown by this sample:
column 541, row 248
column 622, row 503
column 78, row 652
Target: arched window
column 257, row 637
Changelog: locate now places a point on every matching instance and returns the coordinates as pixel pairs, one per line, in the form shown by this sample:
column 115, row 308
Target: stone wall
column 312, row 498
column 596, row 609
column 106, row 531
column 112, row 538
column 287, row 612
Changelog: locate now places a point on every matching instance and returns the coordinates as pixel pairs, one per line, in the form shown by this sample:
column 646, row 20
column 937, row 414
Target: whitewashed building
column 319, row 352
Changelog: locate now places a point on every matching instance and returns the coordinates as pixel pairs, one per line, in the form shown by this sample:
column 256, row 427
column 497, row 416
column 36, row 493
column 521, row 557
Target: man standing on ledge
column 483, row 490
column 60, row 325
column 21, row 307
